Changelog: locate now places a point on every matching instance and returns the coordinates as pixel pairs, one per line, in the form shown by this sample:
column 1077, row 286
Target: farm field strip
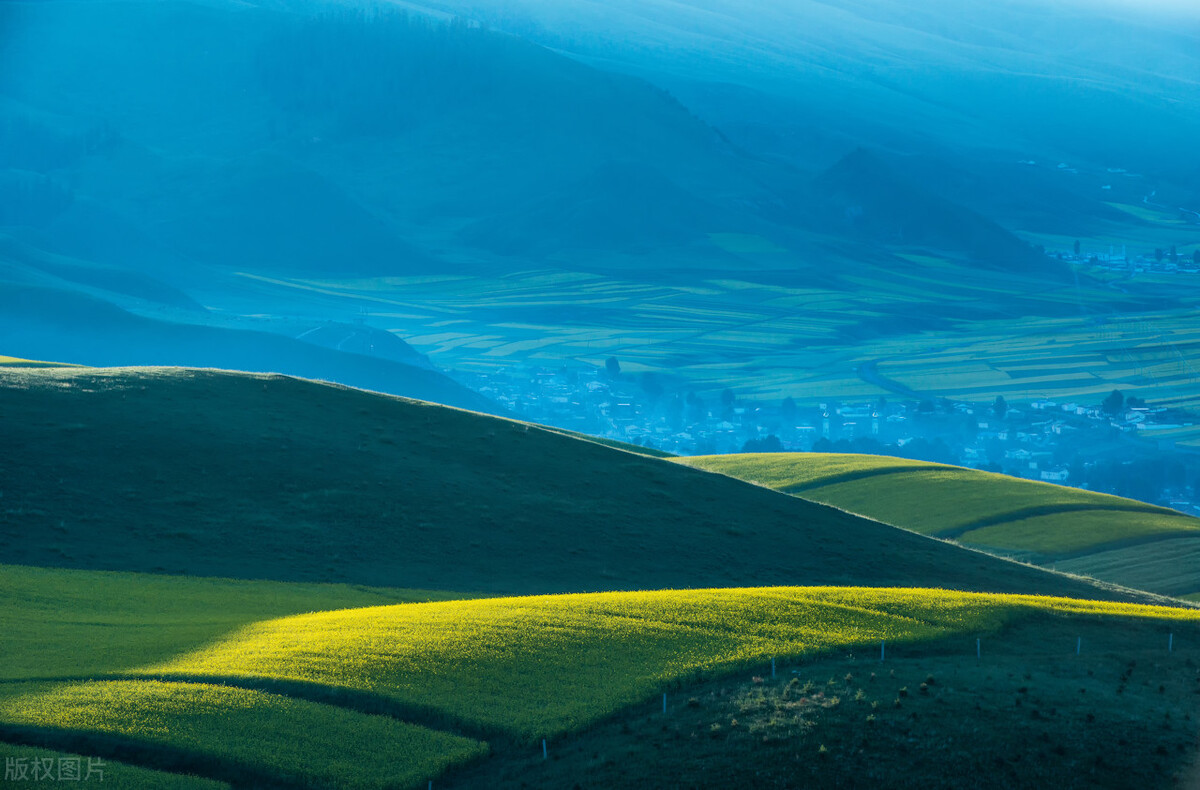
column 962, row 498
column 1064, row 534
column 547, row 315
column 1036, row 521
column 788, row 472
column 1171, row 566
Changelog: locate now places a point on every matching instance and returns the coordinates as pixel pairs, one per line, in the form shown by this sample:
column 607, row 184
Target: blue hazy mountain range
column 151, row 150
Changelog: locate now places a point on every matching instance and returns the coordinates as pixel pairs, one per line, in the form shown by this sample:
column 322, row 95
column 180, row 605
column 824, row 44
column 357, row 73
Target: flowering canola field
column 536, row 666
column 278, row 697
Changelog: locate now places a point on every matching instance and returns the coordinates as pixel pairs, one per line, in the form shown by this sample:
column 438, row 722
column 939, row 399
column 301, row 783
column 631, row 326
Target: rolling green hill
column 1112, row 538
column 299, row 684
column 222, row 474
column 237, row 685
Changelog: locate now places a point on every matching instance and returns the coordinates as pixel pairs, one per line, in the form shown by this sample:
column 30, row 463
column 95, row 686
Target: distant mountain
column 343, row 142
column 1111, row 82
column 44, row 323
column 865, row 198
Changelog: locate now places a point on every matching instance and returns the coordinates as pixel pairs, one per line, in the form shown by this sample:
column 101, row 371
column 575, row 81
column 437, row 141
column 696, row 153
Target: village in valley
column 1109, row 445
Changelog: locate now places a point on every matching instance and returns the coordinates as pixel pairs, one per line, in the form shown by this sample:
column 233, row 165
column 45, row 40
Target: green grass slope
column 393, row 696
column 1035, row 521
column 250, row 736
column 222, row 474
column 66, row 623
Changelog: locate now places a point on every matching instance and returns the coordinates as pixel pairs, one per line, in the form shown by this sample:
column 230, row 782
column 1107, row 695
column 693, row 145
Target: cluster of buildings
column 1042, row 440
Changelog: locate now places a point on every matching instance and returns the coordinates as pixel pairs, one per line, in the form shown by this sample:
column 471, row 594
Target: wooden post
column 1078, row 645
column 978, row 648
column 772, row 666
column 1171, row 642
column 545, row 754
column 882, row 649
column 664, row 703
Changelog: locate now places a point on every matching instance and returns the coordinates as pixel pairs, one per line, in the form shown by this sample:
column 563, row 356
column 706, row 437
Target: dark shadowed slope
column 213, row 473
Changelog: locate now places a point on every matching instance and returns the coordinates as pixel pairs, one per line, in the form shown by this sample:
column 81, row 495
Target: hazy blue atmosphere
column 400, row 394
column 784, row 201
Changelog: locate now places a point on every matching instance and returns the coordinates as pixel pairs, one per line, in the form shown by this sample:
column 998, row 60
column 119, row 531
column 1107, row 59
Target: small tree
column 1113, row 404
column 612, row 367
column 768, row 444
column 1000, row 407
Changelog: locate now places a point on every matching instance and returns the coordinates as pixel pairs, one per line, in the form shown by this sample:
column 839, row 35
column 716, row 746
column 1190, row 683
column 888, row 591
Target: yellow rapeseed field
column 322, row 745
column 535, row 666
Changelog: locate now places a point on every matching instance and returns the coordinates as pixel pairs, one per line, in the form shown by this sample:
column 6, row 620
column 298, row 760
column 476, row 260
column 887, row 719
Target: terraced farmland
column 1038, row 522
column 779, row 337
column 391, row 696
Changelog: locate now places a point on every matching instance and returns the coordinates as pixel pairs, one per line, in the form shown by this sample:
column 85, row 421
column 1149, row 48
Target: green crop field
column 284, row 696
column 69, row 623
column 532, row 667
column 272, row 735
column 1170, row 566
column 1064, row 534
column 1036, row 521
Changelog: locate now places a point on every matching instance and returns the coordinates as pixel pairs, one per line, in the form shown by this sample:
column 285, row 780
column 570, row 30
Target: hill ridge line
column 862, row 474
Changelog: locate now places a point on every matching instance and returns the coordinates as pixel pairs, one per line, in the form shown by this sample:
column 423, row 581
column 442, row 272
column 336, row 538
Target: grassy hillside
column 220, row 474
column 60, row 623
column 1028, row 712
column 392, row 696
column 1112, row 538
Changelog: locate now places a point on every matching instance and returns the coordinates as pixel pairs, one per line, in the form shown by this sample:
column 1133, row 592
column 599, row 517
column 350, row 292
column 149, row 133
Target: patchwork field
column 391, row 696
column 1068, row 528
column 772, row 336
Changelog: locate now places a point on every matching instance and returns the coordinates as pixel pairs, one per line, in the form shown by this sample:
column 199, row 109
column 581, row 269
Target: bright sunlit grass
column 318, row 745
column 542, row 665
